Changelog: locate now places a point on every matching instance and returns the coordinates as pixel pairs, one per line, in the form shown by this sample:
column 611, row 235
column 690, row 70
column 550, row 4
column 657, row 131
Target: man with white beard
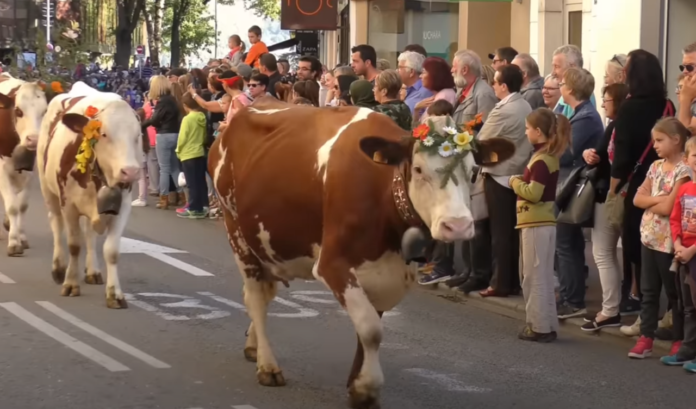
column 474, row 96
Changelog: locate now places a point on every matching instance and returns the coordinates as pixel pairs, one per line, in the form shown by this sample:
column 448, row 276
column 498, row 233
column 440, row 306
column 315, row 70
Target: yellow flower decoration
column 463, row 140
column 90, row 136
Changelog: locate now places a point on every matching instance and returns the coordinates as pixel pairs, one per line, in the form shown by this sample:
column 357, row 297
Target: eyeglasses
column 560, row 84
column 687, row 67
column 550, row 88
column 607, row 100
column 616, row 58
column 253, row 85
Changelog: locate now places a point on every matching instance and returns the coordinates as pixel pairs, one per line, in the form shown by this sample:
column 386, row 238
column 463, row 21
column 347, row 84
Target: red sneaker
column 182, row 210
column 675, row 347
column 643, row 348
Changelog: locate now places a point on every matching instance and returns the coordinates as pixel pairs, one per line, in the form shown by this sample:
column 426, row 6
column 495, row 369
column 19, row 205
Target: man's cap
column 244, row 70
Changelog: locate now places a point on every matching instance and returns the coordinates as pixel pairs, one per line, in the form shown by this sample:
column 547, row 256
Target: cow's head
column 440, row 172
column 28, row 105
column 118, row 147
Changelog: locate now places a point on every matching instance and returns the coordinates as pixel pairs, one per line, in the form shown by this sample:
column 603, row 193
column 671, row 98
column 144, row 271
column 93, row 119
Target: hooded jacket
column 532, row 93
column 190, row 144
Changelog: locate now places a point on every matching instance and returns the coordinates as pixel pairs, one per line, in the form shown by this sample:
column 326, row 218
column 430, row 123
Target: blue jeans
column 570, row 248
column 168, row 162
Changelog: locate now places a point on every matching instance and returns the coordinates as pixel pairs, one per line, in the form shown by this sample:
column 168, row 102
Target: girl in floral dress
column 656, row 195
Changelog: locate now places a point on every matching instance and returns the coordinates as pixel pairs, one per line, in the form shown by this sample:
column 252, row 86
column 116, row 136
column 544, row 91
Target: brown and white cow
column 327, row 194
column 94, row 196
column 22, row 106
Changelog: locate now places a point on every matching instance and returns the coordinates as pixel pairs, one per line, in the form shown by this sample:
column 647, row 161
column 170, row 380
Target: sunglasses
column 615, row 58
column 687, row 67
column 253, row 85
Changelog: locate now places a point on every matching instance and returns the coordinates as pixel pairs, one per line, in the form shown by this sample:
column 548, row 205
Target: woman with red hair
column 436, row 77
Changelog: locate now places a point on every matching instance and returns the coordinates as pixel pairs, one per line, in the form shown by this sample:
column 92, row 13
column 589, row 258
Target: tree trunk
column 124, row 47
column 175, row 45
column 128, row 18
column 157, row 29
column 150, row 41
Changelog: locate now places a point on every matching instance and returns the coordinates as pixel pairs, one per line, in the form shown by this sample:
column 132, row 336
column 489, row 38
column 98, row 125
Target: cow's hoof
column 115, row 303
column 6, row 224
column 25, row 244
column 15, row 250
column 270, row 378
column 250, row 354
column 360, row 400
column 70, row 290
column 94, row 279
column 58, row 275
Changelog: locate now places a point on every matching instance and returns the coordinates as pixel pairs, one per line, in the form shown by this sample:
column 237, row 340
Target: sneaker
column 434, row 278
column 666, row 321
column 690, row 366
column 675, row 347
column 189, row 214
column 527, row 334
column 426, row 268
column 642, row 349
column 595, row 325
column 182, row 209
column 630, row 305
column 138, row 203
column 674, row 360
column 565, row 311
column 631, row 330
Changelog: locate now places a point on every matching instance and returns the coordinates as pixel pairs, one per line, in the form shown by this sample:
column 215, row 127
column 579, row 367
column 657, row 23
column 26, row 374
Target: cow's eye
column 418, row 169
column 103, row 135
column 19, row 113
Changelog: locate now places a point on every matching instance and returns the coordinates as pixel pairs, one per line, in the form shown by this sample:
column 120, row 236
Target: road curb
column 511, row 303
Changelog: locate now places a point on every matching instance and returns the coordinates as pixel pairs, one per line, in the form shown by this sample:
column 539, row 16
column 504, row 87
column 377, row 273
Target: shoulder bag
column 576, row 198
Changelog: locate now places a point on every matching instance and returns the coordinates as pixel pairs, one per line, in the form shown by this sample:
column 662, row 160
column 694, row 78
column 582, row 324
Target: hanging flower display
column 90, row 136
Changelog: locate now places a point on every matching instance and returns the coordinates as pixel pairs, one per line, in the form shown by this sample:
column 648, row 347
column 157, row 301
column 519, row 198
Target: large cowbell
column 417, row 245
column 109, row 200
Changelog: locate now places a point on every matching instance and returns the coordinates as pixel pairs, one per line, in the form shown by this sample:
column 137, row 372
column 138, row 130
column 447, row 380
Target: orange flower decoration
column 57, row 87
column 421, row 131
column 42, row 85
column 91, row 111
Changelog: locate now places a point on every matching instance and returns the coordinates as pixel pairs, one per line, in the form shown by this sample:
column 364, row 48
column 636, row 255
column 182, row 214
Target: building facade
column 601, row 28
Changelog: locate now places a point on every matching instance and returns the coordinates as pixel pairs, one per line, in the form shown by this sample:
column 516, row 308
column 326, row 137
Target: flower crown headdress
column 90, row 137
column 448, row 141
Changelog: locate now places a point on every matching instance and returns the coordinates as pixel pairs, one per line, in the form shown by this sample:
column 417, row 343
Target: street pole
column 48, row 21
column 216, row 31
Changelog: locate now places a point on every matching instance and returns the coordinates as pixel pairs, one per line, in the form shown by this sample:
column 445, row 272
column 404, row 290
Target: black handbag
column 576, row 199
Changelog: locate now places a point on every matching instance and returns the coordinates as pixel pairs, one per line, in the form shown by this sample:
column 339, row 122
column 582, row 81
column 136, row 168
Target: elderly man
column 567, row 56
column 474, row 97
column 533, row 83
column 410, row 68
column 687, row 97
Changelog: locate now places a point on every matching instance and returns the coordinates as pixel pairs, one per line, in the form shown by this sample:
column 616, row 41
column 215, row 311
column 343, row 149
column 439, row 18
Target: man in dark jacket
column 533, row 81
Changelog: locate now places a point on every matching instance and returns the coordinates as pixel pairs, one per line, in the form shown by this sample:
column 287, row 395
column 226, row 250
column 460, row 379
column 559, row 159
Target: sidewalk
column 593, row 300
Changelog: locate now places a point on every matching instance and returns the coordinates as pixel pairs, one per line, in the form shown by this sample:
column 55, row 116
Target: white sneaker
column 666, row 321
column 139, row 203
column 631, row 330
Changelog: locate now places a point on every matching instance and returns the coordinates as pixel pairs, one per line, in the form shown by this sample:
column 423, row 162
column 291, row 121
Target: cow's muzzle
column 417, row 245
column 109, row 200
column 23, row 158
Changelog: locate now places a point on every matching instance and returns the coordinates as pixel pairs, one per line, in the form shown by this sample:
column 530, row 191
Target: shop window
column 575, row 28
column 394, row 24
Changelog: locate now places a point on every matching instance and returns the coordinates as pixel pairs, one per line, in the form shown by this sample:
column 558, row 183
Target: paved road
column 179, row 345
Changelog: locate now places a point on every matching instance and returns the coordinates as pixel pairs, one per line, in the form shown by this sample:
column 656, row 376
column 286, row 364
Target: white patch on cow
column 324, row 152
column 265, row 238
column 297, row 268
column 266, row 111
column 386, row 280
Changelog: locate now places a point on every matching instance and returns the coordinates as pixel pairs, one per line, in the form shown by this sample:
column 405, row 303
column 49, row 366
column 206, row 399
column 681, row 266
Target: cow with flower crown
column 88, row 157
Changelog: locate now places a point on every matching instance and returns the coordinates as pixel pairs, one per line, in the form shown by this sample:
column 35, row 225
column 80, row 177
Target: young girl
column 549, row 133
column 190, row 149
column 657, row 195
column 141, row 201
column 441, row 107
column 684, row 236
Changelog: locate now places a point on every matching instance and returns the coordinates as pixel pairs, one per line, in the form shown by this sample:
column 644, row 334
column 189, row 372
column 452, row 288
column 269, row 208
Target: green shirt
column 398, row 111
column 190, row 144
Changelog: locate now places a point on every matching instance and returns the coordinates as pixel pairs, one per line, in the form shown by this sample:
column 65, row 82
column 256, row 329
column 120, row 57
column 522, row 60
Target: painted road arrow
column 160, row 253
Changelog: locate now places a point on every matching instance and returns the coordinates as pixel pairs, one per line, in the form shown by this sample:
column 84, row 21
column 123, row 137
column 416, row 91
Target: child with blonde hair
column 549, row 134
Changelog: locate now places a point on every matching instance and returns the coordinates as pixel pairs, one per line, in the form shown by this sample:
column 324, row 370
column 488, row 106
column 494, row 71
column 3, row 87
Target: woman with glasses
column 614, row 71
column 551, row 92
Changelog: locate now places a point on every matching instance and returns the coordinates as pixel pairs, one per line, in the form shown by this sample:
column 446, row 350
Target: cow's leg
column 358, row 360
column 55, row 217
column 114, row 295
column 23, row 202
column 251, row 345
column 257, row 295
column 71, row 285
column 9, row 196
column 92, row 272
column 342, row 281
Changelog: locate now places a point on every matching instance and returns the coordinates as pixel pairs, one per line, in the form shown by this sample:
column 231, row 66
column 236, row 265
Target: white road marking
column 446, row 382
column 186, row 302
column 193, row 270
column 6, row 280
column 306, row 295
column 158, row 252
column 302, row 311
column 243, row 407
column 113, row 341
column 65, row 339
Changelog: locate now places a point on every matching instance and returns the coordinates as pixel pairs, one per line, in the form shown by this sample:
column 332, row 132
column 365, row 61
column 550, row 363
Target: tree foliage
column 196, row 33
column 264, row 8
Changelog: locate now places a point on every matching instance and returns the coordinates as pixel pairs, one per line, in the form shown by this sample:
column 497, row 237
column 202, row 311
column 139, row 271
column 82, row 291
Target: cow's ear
column 75, row 122
column 386, row 152
column 6, row 102
column 494, row 150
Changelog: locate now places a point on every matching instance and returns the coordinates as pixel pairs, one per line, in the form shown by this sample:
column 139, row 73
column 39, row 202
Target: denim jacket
column 586, row 129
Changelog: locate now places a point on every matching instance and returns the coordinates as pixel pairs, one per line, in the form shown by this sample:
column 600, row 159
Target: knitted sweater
column 536, row 190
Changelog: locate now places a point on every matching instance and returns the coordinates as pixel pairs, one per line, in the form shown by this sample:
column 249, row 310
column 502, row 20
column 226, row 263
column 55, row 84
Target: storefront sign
column 308, row 15
column 307, row 42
